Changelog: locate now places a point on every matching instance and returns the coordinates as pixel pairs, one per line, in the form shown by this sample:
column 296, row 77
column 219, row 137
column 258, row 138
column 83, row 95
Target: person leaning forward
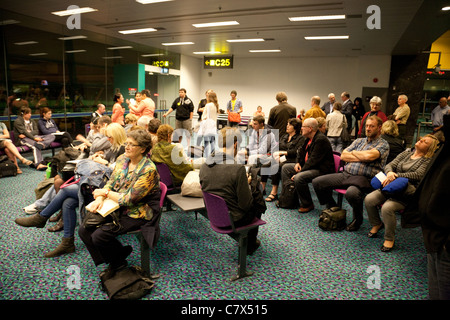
column 365, row 157
column 314, row 158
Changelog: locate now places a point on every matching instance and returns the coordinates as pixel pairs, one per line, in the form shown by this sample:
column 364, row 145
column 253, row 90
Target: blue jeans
column 67, row 200
column 439, row 275
column 209, row 142
column 336, row 143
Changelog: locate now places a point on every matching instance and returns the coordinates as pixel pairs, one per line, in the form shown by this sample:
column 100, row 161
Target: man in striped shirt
column 364, row 158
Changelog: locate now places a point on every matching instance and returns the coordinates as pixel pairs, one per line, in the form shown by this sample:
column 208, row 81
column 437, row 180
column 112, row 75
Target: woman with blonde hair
column 389, row 132
column 208, row 126
column 107, row 149
column 410, row 164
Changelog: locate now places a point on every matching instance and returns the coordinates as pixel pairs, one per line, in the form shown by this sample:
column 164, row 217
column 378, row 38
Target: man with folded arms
column 365, row 157
column 314, row 158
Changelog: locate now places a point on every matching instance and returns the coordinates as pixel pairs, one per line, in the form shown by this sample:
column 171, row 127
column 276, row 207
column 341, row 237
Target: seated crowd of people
column 301, row 150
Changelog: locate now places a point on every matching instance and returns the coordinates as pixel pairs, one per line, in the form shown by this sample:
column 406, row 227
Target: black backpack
column 333, row 219
column 130, row 283
column 288, row 198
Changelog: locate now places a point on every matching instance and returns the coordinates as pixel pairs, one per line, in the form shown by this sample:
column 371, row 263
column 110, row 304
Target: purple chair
column 338, row 167
column 166, row 177
column 221, row 222
column 144, row 246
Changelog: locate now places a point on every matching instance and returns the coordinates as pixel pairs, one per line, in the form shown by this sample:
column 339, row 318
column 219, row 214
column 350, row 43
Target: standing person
column 185, row 111
column 365, row 157
column 10, row 149
column 26, row 132
column 149, row 109
column 328, row 106
column 208, row 127
column 315, row 111
column 234, row 105
column 202, row 105
column 437, row 117
column 139, row 107
column 280, row 114
column 375, row 106
column 101, row 109
column 428, row 209
column 401, row 115
column 358, row 112
column 347, row 109
column 336, row 122
column 314, row 158
column 410, row 164
column 48, row 126
column 118, row 110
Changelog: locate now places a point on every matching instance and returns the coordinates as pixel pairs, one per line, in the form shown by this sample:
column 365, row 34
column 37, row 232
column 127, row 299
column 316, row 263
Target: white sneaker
column 31, row 209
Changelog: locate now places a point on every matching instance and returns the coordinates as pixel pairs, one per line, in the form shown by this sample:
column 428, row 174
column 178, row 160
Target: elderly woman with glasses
column 410, row 164
column 375, row 106
column 134, row 184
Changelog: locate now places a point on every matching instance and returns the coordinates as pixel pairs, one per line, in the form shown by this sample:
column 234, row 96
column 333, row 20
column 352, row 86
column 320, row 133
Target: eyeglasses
column 126, row 144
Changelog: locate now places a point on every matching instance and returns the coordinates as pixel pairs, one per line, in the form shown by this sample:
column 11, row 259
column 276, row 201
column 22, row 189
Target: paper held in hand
column 107, row 207
column 381, row 176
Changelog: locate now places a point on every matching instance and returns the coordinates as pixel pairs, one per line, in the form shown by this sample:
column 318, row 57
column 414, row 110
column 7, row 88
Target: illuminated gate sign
column 218, row 62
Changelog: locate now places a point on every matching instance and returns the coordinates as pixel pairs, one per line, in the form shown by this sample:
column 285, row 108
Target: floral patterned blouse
column 135, row 187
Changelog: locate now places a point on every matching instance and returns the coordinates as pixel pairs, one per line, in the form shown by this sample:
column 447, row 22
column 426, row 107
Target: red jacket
column 379, row 114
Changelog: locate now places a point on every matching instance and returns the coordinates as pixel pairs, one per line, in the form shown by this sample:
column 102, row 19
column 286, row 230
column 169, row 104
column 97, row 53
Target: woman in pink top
column 118, row 111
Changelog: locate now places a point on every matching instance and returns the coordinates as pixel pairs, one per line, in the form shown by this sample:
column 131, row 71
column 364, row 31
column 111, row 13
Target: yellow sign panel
column 161, row 63
column 216, row 62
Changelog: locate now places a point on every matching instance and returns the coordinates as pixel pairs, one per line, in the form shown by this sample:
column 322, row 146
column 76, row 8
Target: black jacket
column 320, row 154
column 279, row 116
column 291, row 146
column 184, row 108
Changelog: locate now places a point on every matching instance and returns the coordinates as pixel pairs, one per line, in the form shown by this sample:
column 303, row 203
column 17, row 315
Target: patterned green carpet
column 296, row 261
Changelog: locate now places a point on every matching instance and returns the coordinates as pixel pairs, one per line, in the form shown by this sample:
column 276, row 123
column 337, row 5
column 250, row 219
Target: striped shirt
column 368, row 169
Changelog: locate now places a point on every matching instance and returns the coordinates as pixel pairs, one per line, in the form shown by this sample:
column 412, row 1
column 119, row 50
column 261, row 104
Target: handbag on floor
column 288, row 197
column 7, row 168
column 333, row 219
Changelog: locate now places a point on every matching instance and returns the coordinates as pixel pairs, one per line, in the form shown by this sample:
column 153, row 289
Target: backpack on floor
column 333, row 219
column 130, row 283
column 288, row 198
column 7, row 168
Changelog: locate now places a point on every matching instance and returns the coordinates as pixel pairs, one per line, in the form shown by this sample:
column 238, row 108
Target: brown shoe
column 36, row 220
column 305, row 210
column 57, row 227
column 56, row 217
column 66, row 246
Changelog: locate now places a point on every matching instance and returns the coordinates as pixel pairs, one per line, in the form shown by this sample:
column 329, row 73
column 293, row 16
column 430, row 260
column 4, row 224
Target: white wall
column 257, row 80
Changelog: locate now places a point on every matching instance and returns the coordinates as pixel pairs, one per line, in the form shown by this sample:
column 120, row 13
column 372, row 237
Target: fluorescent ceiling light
column 119, row 48
column 151, row 1
column 327, row 38
column 38, row 54
column 115, row 57
column 152, row 54
column 246, row 40
column 73, row 11
column 446, row 8
column 137, row 30
column 265, row 50
column 24, row 43
column 76, row 51
column 72, row 38
column 176, row 43
column 215, row 24
column 318, row 18
column 207, row 52
column 9, row 21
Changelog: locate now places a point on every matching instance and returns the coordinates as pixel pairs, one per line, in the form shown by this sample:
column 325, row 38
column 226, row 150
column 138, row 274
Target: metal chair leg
column 242, row 263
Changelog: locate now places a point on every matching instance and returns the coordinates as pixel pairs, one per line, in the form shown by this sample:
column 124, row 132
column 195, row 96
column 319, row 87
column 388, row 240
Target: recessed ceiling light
column 207, row 52
column 246, row 40
column 446, row 8
column 38, row 54
column 318, row 18
column 119, row 48
column 115, row 57
column 24, row 43
column 264, row 50
column 152, row 54
column 327, row 38
column 73, row 11
column 76, row 51
column 72, row 38
column 151, row 1
column 176, row 43
column 215, row 24
column 137, row 30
